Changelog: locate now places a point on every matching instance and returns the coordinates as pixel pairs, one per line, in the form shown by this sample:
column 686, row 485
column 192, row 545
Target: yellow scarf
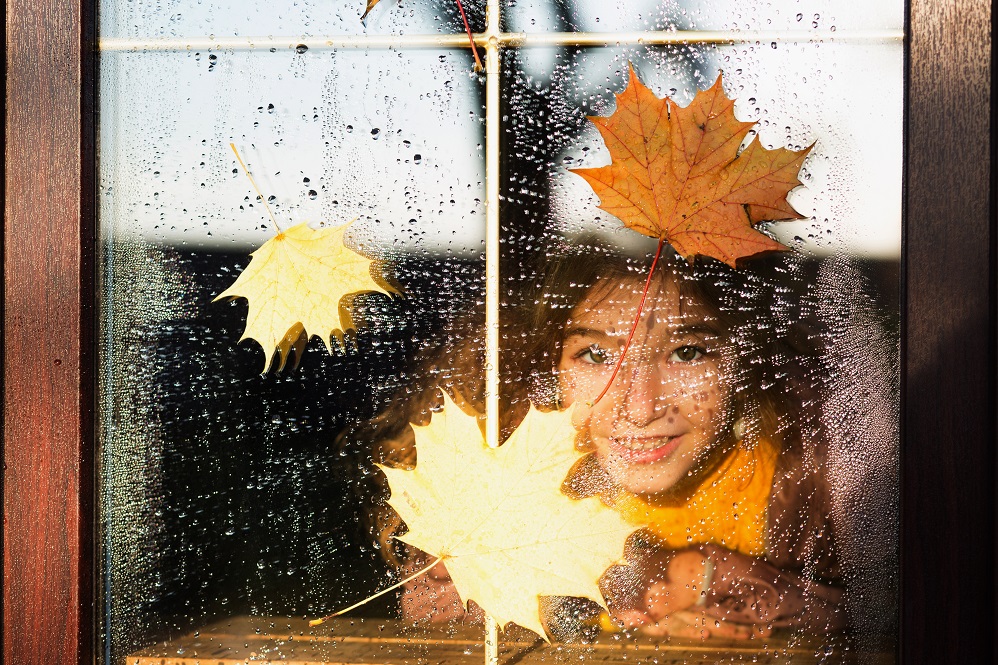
column 729, row 508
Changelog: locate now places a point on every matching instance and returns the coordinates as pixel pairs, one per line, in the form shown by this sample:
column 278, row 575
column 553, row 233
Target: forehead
column 612, row 304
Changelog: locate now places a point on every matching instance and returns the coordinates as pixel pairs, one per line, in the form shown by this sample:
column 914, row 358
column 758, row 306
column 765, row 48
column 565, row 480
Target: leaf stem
column 634, row 326
column 471, row 38
column 258, row 192
column 317, row 622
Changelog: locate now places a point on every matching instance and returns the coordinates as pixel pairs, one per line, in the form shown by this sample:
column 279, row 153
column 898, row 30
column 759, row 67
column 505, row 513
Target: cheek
column 703, row 395
column 579, row 382
column 569, row 389
column 567, row 384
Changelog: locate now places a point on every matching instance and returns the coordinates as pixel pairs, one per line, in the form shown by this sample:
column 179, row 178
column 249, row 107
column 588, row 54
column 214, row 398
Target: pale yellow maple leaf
column 497, row 516
column 294, row 284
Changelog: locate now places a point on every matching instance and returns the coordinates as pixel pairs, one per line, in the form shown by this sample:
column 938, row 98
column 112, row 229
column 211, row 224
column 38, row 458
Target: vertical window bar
column 492, row 223
column 492, row 262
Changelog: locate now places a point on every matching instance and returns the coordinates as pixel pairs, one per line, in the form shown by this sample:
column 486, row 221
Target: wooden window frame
column 948, row 334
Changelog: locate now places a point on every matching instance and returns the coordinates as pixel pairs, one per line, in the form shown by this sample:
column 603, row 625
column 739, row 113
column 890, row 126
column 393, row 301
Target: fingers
column 663, row 599
column 713, row 627
column 697, row 625
column 631, row 619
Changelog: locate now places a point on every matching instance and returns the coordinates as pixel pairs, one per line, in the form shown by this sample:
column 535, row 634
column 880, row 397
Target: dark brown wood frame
column 949, row 342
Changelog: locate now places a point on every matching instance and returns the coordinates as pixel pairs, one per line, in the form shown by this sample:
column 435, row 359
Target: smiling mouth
column 643, row 444
column 643, row 450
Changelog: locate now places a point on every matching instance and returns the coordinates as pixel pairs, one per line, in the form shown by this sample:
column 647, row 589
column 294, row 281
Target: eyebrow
column 695, row 329
column 580, row 331
column 681, row 331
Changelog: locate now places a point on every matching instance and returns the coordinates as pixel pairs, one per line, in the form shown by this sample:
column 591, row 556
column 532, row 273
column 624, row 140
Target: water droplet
column 301, row 48
column 312, row 194
column 417, row 158
column 375, row 133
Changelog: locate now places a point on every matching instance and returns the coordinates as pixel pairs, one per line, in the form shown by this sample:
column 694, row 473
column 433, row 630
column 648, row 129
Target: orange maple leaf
column 677, row 174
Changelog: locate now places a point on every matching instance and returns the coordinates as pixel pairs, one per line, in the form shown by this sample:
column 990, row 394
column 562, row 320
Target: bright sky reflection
column 395, row 138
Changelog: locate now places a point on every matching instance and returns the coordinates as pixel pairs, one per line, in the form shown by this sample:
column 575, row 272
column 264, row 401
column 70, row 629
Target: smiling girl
column 708, row 437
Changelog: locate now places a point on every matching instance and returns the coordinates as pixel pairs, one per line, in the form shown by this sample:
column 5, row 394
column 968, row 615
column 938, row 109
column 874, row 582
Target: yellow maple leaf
column 497, row 516
column 294, row 284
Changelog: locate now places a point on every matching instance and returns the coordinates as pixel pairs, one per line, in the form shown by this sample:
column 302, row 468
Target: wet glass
column 235, row 506
column 222, row 491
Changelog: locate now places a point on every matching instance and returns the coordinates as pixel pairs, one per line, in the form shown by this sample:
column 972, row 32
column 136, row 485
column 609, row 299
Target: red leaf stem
column 471, row 38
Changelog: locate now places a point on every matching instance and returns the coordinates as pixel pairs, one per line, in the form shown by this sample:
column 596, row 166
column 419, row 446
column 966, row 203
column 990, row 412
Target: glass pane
column 744, row 458
column 797, row 353
column 223, row 491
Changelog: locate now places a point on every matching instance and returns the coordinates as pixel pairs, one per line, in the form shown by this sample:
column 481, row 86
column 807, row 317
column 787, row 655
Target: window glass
column 746, row 449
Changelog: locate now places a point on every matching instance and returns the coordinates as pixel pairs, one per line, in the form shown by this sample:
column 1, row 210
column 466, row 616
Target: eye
column 594, row 355
column 685, row 354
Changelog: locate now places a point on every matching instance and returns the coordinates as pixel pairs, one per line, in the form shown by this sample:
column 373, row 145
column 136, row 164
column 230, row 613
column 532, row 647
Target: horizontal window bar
column 517, row 39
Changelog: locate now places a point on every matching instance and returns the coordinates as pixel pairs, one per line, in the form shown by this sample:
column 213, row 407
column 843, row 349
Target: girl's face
column 670, row 404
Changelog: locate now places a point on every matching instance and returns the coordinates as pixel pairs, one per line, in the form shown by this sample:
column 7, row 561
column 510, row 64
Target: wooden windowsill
column 386, row 642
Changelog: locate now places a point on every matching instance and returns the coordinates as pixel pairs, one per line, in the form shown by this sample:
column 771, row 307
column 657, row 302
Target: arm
column 752, row 590
column 662, row 592
column 710, row 590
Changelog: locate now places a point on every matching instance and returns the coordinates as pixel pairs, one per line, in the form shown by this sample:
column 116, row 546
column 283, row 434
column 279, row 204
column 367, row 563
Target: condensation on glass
column 235, row 506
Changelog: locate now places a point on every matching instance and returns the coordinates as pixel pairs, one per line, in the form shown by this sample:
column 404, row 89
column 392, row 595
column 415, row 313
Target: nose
column 643, row 393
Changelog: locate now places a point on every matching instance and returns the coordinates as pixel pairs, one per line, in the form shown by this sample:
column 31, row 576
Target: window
column 16, row 501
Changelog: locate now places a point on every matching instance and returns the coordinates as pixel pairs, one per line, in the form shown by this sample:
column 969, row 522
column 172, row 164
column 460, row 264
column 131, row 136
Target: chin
column 647, row 483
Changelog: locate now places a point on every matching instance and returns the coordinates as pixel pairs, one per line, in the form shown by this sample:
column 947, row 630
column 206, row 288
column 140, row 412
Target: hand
column 694, row 624
column 661, row 593
column 432, row 596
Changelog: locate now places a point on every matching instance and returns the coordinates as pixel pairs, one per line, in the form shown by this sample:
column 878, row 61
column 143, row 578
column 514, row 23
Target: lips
column 644, row 450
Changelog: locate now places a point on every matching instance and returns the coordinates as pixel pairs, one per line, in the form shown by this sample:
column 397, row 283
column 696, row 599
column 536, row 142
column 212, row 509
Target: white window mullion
column 492, row 129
